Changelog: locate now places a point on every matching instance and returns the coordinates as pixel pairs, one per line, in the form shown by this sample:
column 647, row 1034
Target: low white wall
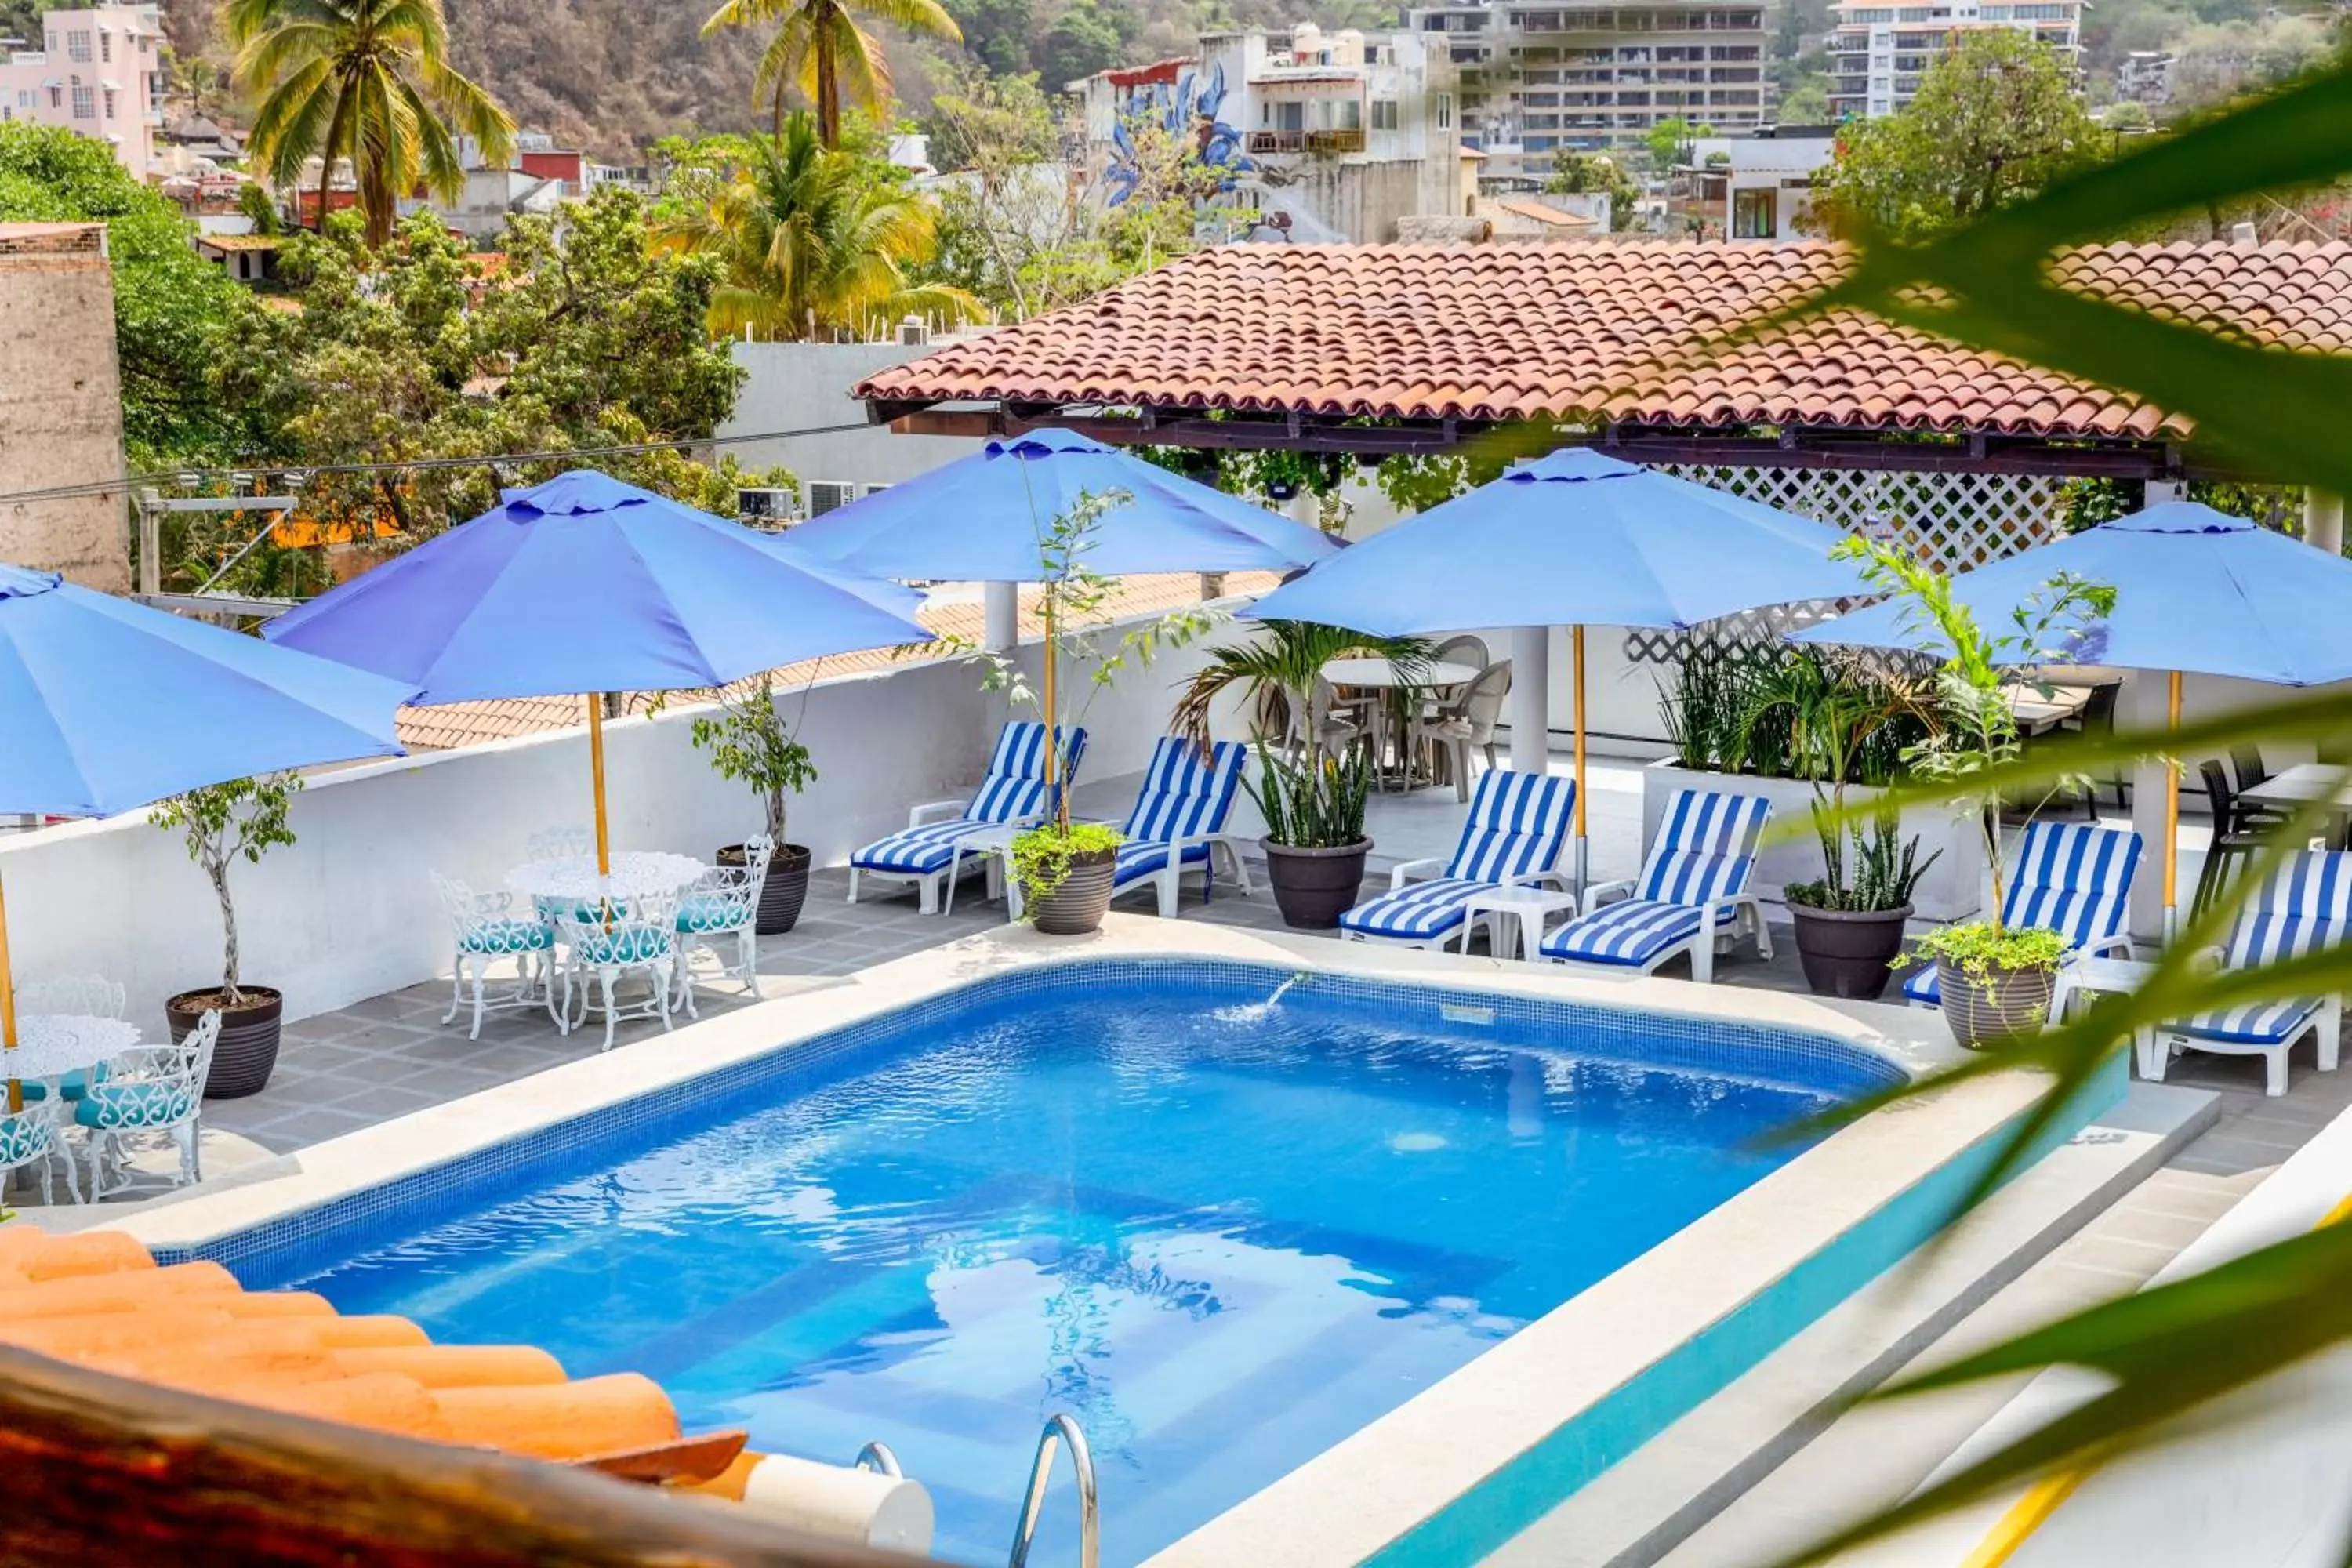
column 348, row 911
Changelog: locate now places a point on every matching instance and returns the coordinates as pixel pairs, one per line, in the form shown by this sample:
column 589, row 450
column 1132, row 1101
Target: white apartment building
column 1756, row 187
column 1541, row 79
column 99, row 72
column 1879, row 52
column 1328, row 137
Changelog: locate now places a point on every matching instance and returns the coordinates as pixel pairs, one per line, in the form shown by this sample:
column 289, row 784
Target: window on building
column 1751, row 215
column 1385, row 114
column 109, row 103
column 1446, row 112
column 105, row 47
column 1347, row 114
column 85, row 102
column 78, row 44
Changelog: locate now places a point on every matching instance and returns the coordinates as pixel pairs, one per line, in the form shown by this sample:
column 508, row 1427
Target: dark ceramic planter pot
column 2004, row 1002
column 784, row 892
column 1847, row 953
column 1313, row 888
column 1076, row 908
column 247, row 1051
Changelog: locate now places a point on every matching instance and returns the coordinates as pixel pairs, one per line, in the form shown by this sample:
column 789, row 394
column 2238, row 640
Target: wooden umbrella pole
column 596, row 770
column 2171, row 810
column 1053, row 729
column 8, row 1012
column 1576, row 652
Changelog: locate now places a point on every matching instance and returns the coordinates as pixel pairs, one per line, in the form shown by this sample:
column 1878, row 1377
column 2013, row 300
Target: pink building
column 99, row 72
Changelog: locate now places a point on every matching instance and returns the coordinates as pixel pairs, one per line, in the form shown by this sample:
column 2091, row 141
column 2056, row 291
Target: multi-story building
column 1879, row 53
column 1541, row 79
column 99, row 72
column 1751, row 187
column 2146, row 77
column 1317, row 137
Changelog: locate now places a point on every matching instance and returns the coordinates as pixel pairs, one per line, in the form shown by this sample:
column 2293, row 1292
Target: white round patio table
column 635, row 875
column 1437, row 675
column 51, row 1045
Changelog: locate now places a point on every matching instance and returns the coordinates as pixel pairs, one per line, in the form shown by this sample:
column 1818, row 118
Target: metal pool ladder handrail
column 1060, row 1428
column 876, row 1457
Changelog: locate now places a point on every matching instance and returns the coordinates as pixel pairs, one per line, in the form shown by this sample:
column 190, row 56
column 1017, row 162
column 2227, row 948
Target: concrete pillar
column 1530, row 699
column 1000, row 605
column 2143, row 707
column 2322, row 521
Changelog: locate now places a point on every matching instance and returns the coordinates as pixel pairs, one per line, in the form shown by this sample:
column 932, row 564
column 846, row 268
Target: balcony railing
column 1306, row 141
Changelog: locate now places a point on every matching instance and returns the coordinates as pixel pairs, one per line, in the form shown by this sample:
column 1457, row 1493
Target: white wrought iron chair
column 154, row 1088
column 609, row 940
column 70, row 996
column 34, row 1137
column 724, row 901
column 571, row 841
column 486, row 928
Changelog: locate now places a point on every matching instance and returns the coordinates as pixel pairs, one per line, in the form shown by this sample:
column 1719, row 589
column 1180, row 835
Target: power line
column 187, row 476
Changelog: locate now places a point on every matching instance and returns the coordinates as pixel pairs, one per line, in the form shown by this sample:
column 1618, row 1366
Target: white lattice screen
column 1954, row 520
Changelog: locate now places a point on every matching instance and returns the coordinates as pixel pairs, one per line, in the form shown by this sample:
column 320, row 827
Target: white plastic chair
column 725, row 902
column 608, row 941
column 153, row 1089
column 486, row 928
column 1469, row 720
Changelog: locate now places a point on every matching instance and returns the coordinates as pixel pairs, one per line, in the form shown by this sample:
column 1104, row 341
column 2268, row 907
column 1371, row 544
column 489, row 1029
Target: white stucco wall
column 349, row 911
column 805, row 386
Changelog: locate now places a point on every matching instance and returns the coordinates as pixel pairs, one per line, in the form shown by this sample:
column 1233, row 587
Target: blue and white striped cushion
column 1142, row 856
column 1632, row 932
column 1515, row 825
column 1015, row 785
column 2074, row 878
column 917, row 852
column 1185, row 793
column 1417, row 911
column 1924, row 984
column 1706, row 847
column 2263, row 1024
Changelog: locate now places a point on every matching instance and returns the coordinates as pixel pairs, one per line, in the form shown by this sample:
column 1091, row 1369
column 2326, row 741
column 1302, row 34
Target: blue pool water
column 1223, row 1235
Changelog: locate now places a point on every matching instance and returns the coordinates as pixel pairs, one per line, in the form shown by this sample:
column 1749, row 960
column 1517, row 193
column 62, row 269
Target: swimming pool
column 1223, row 1234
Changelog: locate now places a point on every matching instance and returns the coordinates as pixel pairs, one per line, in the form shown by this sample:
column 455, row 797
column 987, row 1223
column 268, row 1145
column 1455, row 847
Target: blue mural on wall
column 1189, row 110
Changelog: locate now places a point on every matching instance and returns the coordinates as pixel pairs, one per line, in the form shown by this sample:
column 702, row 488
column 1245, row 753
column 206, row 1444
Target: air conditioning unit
column 828, row 495
column 912, row 331
column 767, row 509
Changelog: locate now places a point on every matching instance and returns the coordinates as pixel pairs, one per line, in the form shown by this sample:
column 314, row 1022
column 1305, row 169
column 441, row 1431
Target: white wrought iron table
column 634, row 875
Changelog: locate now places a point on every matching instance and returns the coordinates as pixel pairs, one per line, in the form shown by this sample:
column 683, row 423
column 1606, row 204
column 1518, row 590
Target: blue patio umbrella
column 1577, row 539
column 587, row 585
column 108, row 705
column 981, row 519
column 985, row 518
column 2196, row 591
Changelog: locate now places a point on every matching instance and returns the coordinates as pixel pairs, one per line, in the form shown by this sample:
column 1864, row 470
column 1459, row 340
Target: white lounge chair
column 2070, row 877
column 2305, row 906
column 1512, row 836
column 1692, row 894
column 931, row 853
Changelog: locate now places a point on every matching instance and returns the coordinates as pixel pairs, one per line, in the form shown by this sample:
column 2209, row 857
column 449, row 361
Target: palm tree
column 369, row 80
column 808, row 240
column 1276, row 673
column 821, row 49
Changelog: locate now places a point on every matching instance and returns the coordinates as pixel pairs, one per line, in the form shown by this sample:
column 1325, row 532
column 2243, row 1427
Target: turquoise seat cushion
column 508, row 936
column 140, row 1102
column 710, row 913
column 73, row 1085
column 636, row 946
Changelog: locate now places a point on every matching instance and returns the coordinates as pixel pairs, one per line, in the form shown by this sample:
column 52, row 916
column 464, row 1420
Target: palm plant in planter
column 750, row 741
column 1064, row 867
column 1314, row 841
column 1996, row 981
column 243, row 818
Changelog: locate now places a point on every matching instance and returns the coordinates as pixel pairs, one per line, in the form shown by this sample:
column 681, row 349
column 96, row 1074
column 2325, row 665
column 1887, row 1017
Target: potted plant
column 1850, row 921
column 1315, row 842
column 1276, row 671
column 1996, row 981
column 1063, row 868
column 219, row 823
column 749, row 742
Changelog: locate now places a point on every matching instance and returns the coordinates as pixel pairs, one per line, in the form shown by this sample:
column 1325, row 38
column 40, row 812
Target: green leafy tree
column 1575, row 172
column 369, row 80
column 174, row 311
column 1670, row 141
column 806, row 240
column 1087, row 37
column 1807, row 103
column 1996, row 119
column 222, row 824
column 820, row 48
column 997, row 31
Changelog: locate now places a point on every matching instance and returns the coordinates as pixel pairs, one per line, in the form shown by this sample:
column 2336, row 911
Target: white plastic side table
column 1524, row 906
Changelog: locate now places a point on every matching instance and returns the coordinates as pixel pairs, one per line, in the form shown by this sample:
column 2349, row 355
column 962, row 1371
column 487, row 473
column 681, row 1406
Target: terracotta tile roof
column 1541, row 213
column 1618, row 332
column 472, row 723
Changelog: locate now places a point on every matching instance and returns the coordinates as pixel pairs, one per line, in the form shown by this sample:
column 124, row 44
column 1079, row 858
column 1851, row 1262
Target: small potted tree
column 220, row 824
column 1996, row 981
column 749, row 742
column 1063, row 867
column 1314, row 841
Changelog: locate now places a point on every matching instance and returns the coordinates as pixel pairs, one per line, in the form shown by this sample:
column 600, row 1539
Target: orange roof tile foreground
column 1617, row 333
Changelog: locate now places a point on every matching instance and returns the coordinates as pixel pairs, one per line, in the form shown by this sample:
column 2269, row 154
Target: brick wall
column 61, row 405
